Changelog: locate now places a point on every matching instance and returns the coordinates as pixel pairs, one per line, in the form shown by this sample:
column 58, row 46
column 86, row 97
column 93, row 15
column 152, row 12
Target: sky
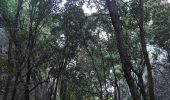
column 89, row 10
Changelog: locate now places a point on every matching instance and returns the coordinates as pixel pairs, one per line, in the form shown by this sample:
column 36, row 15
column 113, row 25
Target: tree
column 122, row 48
column 144, row 50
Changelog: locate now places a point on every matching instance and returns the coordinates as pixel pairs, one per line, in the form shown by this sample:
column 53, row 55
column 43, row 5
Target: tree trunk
column 126, row 64
column 142, row 87
column 144, row 51
column 115, row 94
column 51, row 89
column 168, row 56
column 9, row 70
column 26, row 93
column 63, row 90
column 30, row 46
column 7, row 88
column 15, row 86
column 56, row 89
column 117, row 90
column 15, row 42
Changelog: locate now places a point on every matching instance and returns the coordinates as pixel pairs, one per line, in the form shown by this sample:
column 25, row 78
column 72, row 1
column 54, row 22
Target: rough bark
column 5, row 96
column 15, row 86
column 115, row 94
column 30, row 46
column 62, row 67
column 142, row 87
column 9, row 76
column 29, row 65
column 144, row 51
column 51, row 89
column 15, row 43
column 26, row 94
column 56, row 89
column 126, row 64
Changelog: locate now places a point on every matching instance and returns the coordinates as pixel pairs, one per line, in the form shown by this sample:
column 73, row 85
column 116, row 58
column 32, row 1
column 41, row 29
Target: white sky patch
column 111, row 89
column 168, row 1
column 62, row 4
column 90, row 9
column 87, row 9
column 103, row 35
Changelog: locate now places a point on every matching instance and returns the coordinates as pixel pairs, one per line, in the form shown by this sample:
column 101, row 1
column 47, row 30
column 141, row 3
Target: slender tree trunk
column 56, row 89
column 116, row 85
column 126, row 64
column 29, row 64
column 51, row 89
column 9, row 70
column 7, row 88
column 14, row 91
column 115, row 94
column 30, row 46
column 97, row 73
column 61, row 68
column 142, row 87
column 144, row 51
column 26, row 94
column 63, row 90
column 15, row 42
column 168, row 56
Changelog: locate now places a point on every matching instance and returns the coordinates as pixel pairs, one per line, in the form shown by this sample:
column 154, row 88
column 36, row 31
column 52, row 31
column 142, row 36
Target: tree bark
column 117, row 90
column 26, row 94
column 168, row 56
column 15, row 86
column 15, row 42
column 126, row 64
column 5, row 96
column 51, row 89
column 56, row 89
column 142, row 87
column 9, row 65
column 144, row 51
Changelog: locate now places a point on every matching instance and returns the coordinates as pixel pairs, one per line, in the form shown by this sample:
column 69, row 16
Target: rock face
column 162, row 78
column 162, row 84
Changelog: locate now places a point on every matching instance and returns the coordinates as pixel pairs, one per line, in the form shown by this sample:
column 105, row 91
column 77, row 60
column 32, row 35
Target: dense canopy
column 84, row 50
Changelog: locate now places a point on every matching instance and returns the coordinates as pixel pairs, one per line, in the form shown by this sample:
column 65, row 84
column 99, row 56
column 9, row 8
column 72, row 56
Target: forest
column 84, row 49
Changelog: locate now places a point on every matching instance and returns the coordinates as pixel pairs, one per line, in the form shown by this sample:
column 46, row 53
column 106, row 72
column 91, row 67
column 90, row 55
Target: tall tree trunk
column 144, row 51
column 126, row 64
column 142, row 87
column 63, row 90
column 30, row 46
column 117, row 90
column 29, row 63
column 168, row 56
column 62, row 66
column 56, row 89
column 15, row 42
column 9, row 70
column 51, row 89
column 14, row 91
column 115, row 94
column 5, row 96
column 26, row 93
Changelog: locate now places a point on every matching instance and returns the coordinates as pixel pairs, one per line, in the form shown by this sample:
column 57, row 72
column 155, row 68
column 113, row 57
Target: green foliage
column 160, row 27
column 8, row 7
column 69, row 47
